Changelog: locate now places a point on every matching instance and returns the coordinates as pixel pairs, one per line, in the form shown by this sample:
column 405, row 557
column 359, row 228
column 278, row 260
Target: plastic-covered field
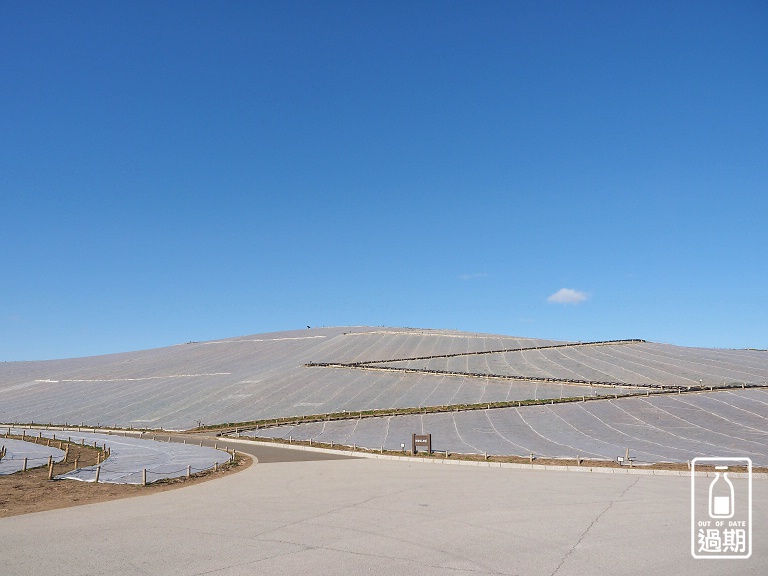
column 17, row 450
column 265, row 376
column 639, row 363
column 660, row 428
column 129, row 456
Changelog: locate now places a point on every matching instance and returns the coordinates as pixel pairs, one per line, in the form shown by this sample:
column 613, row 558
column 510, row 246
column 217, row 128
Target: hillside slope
column 266, row 375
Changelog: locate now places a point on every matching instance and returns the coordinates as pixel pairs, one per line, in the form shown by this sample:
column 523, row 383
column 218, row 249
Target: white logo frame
column 736, row 460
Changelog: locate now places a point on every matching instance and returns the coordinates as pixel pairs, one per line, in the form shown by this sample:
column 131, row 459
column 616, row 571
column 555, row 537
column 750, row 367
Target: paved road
column 264, row 454
column 361, row 516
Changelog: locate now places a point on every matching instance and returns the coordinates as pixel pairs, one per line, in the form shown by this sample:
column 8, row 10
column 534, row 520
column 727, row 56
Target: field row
column 665, row 428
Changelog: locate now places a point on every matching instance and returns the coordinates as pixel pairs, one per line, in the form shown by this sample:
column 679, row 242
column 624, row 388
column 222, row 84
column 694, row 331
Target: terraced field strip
column 501, row 350
column 229, row 427
column 550, row 380
column 546, row 377
column 659, row 428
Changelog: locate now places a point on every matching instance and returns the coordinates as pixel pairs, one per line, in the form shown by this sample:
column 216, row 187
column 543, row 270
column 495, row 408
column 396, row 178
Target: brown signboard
column 421, row 441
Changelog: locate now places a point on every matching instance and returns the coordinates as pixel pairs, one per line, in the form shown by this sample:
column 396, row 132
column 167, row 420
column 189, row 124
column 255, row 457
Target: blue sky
column 175, row 171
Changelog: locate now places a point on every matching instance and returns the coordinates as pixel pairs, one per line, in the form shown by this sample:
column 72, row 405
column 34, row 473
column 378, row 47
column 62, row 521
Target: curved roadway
column 380, row 518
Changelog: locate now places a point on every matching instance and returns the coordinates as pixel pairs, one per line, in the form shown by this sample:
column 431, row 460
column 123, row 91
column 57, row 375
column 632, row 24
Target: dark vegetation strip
column 547, row 347
column 568, row 381
column 359, row 414
column 228, row 427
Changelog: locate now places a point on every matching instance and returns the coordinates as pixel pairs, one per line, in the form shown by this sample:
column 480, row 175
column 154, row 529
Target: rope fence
column 189, row 471
column 110, row 471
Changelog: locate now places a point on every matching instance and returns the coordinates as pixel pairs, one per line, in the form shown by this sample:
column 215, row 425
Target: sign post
column 421, row 441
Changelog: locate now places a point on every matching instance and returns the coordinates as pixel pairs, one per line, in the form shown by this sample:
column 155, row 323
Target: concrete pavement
column 263, row 453
column 381, row 517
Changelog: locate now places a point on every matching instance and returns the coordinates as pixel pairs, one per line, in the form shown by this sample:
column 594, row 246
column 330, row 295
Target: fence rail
column 127, row 448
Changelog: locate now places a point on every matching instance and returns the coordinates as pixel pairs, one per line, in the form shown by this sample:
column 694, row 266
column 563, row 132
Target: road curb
column 564, row 468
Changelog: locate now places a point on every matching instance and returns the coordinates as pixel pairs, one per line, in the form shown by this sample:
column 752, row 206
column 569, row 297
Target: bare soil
column 32, row 491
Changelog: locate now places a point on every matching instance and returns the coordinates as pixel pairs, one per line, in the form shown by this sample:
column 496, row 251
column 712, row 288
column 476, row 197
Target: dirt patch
column 32, row 491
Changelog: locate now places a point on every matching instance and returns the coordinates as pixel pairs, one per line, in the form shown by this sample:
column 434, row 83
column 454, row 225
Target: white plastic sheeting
column 638, row 363
column 17, row 450
column 264, row 376
column 663, row 428
column 130, row 455
column 241, row 379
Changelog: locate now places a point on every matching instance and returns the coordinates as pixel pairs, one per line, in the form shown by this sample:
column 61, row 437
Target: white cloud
column 471, row 276
column 568, row 296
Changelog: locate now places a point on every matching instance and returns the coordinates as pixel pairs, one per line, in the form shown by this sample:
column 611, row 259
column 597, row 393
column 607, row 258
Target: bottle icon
column 721, row 495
